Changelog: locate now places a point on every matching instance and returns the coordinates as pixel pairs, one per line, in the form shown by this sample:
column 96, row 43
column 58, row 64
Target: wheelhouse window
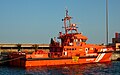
column 70, row 49
column 83, row 40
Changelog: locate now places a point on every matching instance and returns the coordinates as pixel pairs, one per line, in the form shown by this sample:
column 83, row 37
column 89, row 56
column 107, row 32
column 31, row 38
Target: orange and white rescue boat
column 72, row 49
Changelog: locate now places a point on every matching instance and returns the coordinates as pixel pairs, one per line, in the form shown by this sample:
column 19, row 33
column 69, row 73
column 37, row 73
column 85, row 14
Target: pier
column 6, row 48
column 115, row 56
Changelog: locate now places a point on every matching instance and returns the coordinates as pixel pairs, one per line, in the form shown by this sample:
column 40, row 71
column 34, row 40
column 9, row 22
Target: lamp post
column 106, row 22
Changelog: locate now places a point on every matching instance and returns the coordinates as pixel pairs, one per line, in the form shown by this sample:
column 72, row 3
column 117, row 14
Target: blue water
column 112, row 68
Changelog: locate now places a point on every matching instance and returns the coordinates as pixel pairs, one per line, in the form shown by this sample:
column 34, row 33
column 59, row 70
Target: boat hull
column 60, row 61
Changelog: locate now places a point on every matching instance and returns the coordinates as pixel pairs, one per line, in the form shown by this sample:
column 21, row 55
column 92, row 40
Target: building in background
column 116, row 41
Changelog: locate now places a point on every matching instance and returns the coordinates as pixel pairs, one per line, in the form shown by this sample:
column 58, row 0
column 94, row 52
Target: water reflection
column 83, row 69
column 112, row 68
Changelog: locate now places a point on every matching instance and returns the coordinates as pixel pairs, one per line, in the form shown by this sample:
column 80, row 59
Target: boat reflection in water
column 83, row 69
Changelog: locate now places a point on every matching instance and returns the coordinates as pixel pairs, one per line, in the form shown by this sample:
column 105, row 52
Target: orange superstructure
column 71, row 49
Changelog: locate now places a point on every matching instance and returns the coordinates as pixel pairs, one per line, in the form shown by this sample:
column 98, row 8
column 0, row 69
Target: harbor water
column 112, row 68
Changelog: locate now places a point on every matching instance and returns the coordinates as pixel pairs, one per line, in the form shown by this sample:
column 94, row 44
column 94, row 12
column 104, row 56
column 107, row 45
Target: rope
column 11, row 59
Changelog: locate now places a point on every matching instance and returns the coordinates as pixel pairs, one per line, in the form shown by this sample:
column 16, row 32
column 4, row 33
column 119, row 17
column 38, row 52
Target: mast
column 66, row 18
column 67, row 23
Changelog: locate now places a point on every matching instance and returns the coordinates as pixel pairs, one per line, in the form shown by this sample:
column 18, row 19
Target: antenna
column 66, row 12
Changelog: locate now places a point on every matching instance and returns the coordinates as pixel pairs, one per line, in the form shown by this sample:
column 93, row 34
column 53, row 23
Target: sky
column 37, row 21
